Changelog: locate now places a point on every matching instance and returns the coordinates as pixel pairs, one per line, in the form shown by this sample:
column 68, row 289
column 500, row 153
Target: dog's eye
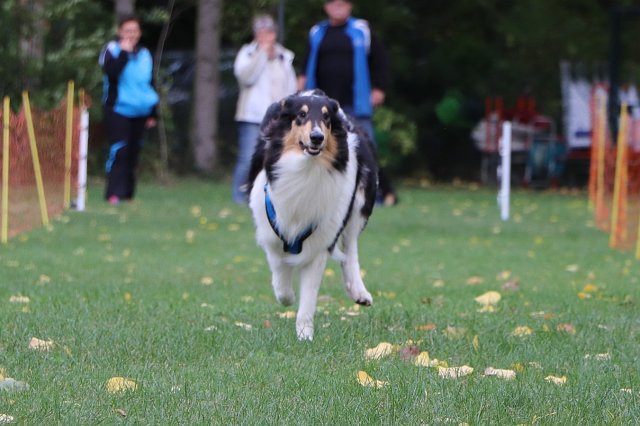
column 302, row 114
column 325, row 116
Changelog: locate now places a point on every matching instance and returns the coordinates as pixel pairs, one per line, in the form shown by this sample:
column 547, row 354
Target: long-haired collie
column 312, row 189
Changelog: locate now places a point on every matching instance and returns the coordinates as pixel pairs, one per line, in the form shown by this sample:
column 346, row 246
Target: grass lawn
column 172, row 293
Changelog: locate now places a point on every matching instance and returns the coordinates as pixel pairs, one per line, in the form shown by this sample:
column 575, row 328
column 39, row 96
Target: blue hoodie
column 127, row 81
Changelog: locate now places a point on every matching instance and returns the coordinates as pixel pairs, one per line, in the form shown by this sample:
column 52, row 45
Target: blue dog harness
column 294, row 247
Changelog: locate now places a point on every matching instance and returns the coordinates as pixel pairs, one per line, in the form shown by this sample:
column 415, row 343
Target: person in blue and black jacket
column 129, row 106
column 348, row 62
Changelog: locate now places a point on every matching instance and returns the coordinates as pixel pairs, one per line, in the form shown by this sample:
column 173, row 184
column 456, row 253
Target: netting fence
column 614, row 178
column 40, row 162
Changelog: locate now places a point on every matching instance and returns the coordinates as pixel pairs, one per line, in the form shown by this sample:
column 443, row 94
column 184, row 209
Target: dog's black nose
column 316, row 137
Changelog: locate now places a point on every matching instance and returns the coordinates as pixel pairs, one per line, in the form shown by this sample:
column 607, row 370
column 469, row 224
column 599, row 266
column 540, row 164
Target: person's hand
column 127, row 44
column 151, row 122
column 301, row 82
column 377, row 97
column 266, row 40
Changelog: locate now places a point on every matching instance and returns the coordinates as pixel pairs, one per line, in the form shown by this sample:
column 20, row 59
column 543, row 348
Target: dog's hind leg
column 310, row 280
column 353, row 283
column 281, row 279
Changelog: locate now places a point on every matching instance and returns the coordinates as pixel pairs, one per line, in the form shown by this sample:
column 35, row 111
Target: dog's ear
column 318, row 92
column 272, row 115
column 334, row 106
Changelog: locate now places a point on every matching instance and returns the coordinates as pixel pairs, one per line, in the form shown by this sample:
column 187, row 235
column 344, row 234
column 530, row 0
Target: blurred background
column 458, row 69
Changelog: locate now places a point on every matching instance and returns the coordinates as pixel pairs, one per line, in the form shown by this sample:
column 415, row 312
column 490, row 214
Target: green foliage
column 152, row 291
column 71, row 34
column 395, row 138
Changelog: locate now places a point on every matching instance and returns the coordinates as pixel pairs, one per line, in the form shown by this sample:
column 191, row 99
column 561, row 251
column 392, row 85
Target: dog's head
column 310, row 124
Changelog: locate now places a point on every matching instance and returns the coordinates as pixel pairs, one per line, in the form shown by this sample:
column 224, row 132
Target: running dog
column 312, row 187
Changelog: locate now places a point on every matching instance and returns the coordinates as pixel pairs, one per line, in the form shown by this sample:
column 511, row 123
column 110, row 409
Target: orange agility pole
column 619, row 214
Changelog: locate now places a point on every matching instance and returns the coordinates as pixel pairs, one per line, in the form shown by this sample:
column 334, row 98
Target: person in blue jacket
column 129, row 106
column 348, row 62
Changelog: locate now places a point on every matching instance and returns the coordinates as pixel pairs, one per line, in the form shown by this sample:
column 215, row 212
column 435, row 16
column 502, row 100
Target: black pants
column 125, row 136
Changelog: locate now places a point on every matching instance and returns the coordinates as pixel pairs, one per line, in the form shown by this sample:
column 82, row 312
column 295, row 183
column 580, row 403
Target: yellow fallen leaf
column 500, row 373
column 2, row 373
column 488, row 298
column 426, row 327
column 487, row 308
column 243, row 325
column 518, row 366
column 590, row 288
column 120, row 384
column 206, row 280
column 286, row 315
column 19, row 299
column 389, row 295
column 599, row 357
column 196, row 211
column 383, row 349
column 475, row 280
column 366, row 380
column 522, row 330
column 556, row 380
column 503, row 276
column 353, row 311
column 40, row 345
column 572, row 268
column 44, row 279
column 438, row 283
column 423, row 360
column 566, row 328
column 454, row 372
column 5, row 419
column 476, row 343
column 582, row 295
column 127, row 297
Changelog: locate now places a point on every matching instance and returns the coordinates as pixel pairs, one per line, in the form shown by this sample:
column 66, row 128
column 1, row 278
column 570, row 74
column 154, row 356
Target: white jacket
column 262, row 81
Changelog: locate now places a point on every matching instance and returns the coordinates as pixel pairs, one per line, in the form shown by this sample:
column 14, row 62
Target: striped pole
column 36, row 159
column 5, row 170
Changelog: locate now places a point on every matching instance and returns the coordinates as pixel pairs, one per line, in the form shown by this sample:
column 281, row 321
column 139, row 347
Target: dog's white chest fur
column 306, row 194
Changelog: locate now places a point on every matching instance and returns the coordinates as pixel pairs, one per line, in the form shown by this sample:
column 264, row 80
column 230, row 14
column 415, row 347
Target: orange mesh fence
column 50, row 128
column 614, row 177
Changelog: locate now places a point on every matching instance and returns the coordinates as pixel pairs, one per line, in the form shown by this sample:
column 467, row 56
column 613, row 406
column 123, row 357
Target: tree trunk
column 205, row 115
column 32, row 32
column 124, row 8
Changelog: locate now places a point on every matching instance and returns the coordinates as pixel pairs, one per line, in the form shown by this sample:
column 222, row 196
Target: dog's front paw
column 304, row 330
column 364, row 298
column 361, row 296
column 286, row 298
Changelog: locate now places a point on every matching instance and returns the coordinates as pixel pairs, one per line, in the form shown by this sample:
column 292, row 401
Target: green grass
column 120, row 291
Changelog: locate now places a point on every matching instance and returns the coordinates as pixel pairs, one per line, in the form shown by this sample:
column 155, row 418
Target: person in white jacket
column 265, row 74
